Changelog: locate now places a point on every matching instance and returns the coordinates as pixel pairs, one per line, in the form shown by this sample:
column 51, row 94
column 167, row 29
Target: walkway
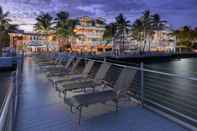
column 40, row 109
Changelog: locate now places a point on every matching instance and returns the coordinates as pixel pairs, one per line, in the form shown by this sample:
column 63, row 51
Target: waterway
column 176, row 93
column 186, row 67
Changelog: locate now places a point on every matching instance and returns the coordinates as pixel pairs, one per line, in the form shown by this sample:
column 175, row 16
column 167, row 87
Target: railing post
column 104, row 59
column 142, row 82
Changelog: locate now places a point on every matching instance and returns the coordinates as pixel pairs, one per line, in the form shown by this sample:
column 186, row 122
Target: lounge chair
column 91, row 74
column 118, row 90
column 45, row 57
column 54, row 60
column 58, row 68
column 85, row 82
column 69, row 69
column 59, row 62
column 109, row 79
column 73, row 68
column 79, row 75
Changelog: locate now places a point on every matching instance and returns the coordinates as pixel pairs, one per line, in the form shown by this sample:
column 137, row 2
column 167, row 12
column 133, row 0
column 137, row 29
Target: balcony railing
column 9, row 107
column 171, row 95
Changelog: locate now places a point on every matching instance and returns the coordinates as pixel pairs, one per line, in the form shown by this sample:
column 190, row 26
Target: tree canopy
column 44, row 23
column 5, row 28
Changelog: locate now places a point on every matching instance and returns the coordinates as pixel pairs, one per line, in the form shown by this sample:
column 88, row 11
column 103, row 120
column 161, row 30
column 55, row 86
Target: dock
column 41, row 109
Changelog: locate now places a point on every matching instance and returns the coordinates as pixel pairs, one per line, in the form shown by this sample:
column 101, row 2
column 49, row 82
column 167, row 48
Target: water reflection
column 175, row 93
column 186, row 67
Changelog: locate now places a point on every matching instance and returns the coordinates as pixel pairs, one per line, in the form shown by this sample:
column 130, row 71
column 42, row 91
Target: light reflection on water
column 174, row 92
column 186, row 67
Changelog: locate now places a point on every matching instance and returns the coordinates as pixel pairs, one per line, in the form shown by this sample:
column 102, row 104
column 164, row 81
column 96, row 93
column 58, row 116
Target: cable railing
column 9, row 108
column 172, row 95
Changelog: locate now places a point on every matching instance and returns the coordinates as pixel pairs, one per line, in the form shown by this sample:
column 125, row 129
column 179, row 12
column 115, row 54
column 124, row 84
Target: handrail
column 144, row 100
column 6, row 108
column 144, row 69
column 9, row 108
column 153, row 71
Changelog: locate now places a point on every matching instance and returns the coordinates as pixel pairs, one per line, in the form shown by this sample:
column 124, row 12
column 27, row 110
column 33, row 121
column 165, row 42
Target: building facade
column 123, row 42
column 163, row 40
column 89, row 35
column 33, row 42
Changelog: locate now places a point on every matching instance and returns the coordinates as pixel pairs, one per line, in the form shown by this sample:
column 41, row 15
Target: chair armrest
column 106, row 83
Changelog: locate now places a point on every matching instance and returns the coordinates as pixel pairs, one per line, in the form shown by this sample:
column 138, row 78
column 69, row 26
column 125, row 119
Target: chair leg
column 80, row 115
column 117, row 105
column 65, row 93
column 71, row 109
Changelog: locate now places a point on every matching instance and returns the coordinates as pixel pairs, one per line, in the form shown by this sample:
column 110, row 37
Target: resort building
column 89, row 35
column 123, row 42
column 160, row 41
column 33, row 42
column 163, row 41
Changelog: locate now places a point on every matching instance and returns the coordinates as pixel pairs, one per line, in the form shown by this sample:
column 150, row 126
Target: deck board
column 41, row 109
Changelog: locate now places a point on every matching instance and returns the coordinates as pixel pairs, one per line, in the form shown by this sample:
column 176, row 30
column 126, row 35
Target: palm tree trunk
column 144, row 41
column 1, row 42
column 150, row 42
column 123, row 42
column 0, row 45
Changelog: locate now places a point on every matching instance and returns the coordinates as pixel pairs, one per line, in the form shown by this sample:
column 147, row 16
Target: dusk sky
column 177, row 12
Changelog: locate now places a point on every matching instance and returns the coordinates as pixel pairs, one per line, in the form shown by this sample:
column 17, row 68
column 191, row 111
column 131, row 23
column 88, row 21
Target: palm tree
column 109, row 31
column 145, row 27
column 158, row 24
column 44, row 25
column 142, row 29
column 65, row 29
column 137, row 32
column 61, row 18
column 4, row 22
column 70, row 31
column 122, row 23
column 5, row 28
column 61, row 22
column 121, row 30
column 146, row 20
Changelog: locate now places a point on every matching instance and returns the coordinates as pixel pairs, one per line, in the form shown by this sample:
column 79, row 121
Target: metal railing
column 171, row 95
column 9, row 108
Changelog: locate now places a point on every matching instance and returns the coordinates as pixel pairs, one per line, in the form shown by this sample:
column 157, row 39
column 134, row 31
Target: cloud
column 178, row 13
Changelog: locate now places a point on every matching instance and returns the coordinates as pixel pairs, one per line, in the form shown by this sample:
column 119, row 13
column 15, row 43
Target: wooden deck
column 41, row 109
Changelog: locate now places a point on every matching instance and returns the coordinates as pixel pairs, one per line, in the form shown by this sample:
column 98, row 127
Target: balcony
column 41, row 108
